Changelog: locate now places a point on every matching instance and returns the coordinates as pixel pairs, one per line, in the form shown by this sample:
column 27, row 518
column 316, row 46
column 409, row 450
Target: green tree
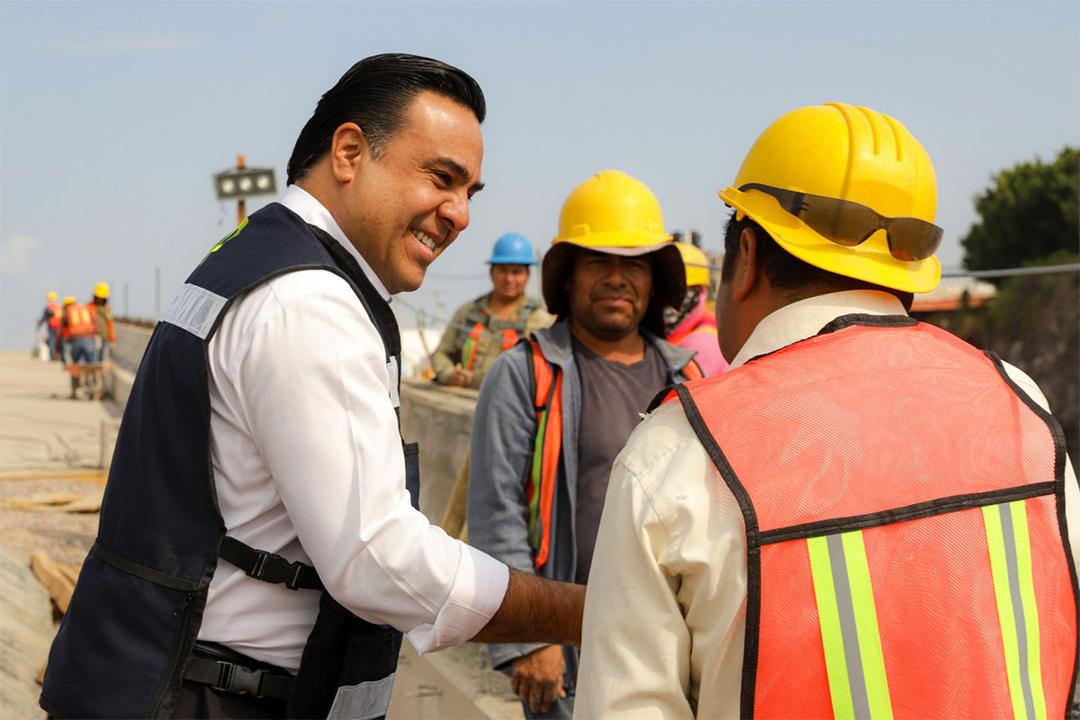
column 1028, row 214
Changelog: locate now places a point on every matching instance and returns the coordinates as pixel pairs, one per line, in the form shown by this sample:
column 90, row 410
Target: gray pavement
column 48, row 444
column 43, row 433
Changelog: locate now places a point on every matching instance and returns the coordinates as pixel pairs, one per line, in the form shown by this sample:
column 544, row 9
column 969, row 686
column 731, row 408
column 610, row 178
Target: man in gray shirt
column 554, row 411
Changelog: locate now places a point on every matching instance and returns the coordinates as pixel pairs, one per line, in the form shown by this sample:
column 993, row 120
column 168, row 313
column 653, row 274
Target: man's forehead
column 444, row 132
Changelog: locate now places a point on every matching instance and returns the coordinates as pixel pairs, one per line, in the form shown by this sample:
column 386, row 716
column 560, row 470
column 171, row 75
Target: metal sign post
column 243, row 182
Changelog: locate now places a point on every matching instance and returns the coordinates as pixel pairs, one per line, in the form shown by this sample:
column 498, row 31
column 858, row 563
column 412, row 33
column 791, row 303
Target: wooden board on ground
column 59, row 501
column 58, row 579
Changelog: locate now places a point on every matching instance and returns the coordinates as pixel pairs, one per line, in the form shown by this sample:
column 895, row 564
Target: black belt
column 222, row 673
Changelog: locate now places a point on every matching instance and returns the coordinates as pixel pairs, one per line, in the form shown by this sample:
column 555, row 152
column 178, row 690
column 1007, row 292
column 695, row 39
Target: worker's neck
column 627, row 349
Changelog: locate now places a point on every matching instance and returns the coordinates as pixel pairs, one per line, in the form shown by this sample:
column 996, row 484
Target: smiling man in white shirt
column 260, row 459
column 864, row 517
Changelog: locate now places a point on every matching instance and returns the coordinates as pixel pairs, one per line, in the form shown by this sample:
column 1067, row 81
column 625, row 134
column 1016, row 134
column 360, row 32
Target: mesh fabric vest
column 903, row 501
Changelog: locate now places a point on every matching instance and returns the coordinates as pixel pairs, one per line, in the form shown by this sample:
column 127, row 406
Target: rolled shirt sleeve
column 316, row 397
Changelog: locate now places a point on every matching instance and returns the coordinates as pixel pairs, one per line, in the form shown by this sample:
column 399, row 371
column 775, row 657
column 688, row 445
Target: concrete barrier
column 127, row 352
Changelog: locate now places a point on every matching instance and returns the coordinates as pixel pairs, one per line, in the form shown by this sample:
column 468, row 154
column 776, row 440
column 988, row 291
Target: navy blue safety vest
column 123, row 645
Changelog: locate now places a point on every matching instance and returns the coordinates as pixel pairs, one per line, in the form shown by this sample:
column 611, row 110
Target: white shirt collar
column 805, row 318
column 313, row 212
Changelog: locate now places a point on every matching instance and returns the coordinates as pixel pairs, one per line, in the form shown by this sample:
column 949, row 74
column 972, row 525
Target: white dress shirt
column 307, row 464
column 665, row 610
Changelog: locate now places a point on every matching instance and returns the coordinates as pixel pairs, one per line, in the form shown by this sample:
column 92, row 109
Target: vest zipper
column 178, row 656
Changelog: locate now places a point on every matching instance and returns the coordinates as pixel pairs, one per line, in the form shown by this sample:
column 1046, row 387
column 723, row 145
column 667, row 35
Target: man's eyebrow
column 463, row 175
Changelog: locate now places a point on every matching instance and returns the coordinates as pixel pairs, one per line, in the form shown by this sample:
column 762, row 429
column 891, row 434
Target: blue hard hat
column 512, row 249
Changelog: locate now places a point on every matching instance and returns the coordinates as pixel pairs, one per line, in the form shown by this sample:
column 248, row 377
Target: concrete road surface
column 42, row 431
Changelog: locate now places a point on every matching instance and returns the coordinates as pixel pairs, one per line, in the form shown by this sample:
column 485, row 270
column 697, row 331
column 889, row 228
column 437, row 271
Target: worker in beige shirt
column 674, row 579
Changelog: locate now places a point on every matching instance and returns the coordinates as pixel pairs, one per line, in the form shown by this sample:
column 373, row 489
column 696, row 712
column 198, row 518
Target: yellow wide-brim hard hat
column 697, row 264
column 614, row 213
column 101, row 290
column 849, row 153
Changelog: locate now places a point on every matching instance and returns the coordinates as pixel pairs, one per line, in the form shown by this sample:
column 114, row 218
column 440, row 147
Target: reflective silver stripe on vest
column 364, row 701
column 1012, row 561
column 194, row 309
column 392, row 371
column 848, row 630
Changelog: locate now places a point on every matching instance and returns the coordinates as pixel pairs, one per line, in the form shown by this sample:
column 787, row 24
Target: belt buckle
column 261, row 560
column 293, row 582
column 238, row 679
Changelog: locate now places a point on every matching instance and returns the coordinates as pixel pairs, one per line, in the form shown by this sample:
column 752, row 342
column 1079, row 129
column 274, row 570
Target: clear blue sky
column 114, row 115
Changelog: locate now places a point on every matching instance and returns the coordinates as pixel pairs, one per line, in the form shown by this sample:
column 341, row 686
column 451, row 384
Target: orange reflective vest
column 54, row 314
column 547, row 446
column 78, row 322
column 472, row 342
column 903, row 501
column 103, row 322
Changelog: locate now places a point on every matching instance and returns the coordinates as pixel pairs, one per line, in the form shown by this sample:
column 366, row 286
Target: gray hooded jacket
column 504, row 429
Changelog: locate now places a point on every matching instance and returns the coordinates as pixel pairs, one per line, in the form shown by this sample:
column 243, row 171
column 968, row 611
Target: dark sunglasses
column 849, row 224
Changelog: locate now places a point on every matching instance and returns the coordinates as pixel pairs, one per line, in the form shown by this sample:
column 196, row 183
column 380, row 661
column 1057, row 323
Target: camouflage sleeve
column 448, row 353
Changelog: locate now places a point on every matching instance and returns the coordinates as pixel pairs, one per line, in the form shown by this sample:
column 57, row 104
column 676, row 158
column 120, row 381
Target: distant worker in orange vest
column 50, row 318
column 692, row 325
column 103, row 319
column 79, row 332
column 865, row 517
column 484, row 327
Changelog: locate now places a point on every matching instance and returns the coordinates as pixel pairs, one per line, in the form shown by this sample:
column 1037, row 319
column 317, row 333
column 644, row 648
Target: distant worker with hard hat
column 692, row 324
column 50, row 318
column 484, row 327
column 554, row 411
column 103, row 319
column 78, row 331
column 865, row 516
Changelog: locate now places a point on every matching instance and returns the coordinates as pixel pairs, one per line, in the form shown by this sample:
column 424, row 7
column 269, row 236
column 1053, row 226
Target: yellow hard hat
column 612, row 212
column 848, row 153
column 51, row 297
column 101, row 290
column 612, row 209
column 69, row 300
column 697, row 265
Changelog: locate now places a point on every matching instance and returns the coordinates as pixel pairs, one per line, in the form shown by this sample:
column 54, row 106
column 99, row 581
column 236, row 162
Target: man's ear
column 349, row 149
column 747, row 270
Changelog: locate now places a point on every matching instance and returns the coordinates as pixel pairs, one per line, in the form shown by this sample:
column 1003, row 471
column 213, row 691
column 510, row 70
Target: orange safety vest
column 472, row 342
column 903, row 501
column 54, row 314
column 109, row 333
column 547, row 446
column 78, row 322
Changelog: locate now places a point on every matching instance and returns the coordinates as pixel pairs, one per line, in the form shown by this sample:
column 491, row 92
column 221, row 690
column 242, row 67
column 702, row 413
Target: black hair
column 795, row 278
column 374, row 93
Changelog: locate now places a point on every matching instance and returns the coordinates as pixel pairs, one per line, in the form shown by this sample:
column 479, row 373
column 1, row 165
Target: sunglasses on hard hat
column 849, row 223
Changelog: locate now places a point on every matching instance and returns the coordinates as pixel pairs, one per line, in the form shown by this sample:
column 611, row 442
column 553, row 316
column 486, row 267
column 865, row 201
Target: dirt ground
column 27, row 621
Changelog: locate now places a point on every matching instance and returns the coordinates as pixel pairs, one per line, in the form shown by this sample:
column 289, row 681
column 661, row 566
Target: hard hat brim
column 669, row 277
column 869, row 261
column 511, row 261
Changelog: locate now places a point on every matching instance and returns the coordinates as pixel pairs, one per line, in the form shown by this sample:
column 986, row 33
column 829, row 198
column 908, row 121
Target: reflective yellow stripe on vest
column 1010, row 563
column 849, row 629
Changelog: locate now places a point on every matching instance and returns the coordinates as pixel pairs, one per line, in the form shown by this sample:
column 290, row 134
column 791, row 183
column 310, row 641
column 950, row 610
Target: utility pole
column 241, row 212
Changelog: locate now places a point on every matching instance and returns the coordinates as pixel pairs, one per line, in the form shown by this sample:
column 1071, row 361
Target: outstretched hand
column 537, row 678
